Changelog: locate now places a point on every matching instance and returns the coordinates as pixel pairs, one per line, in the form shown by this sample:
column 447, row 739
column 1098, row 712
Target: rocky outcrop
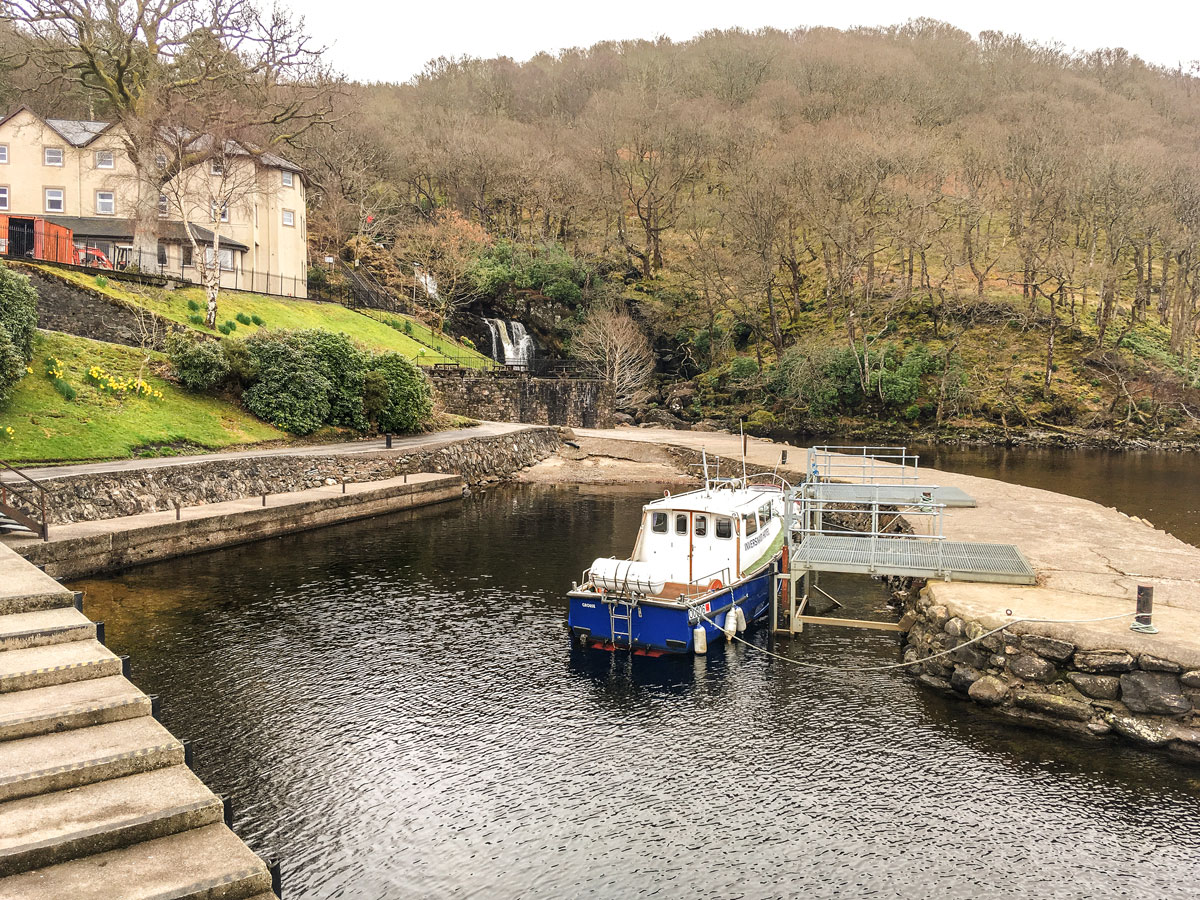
column 1046, row 682
column 83, row 498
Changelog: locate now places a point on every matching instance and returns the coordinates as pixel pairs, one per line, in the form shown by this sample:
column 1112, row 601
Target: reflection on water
column 1161, row 487
column 396, row 709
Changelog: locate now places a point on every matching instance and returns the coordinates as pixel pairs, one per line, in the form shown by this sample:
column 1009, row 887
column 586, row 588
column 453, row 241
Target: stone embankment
column 96, row 798
column 87, row 496
column 514, row 397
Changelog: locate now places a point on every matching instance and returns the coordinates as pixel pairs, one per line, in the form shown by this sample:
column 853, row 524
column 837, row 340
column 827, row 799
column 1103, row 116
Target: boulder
column 938, row 616
column 941, row 685
column 1051, row 705
column 1104, row 662
column 970, row 656
column 662, row 419
column 963, row 677
column 1029, row 667
column 908, row 620
column 623, row 419
column 1156, row 693
column 988, row 691
column 1100, row 687
column 1148, row 663
column 1190, row 679
column 1047, row 648
column 706, row 425
column 1144, row 731
column 955, row 627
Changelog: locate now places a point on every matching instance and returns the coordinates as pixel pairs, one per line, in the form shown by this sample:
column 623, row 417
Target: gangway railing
column 872, row 465
column 23, row 506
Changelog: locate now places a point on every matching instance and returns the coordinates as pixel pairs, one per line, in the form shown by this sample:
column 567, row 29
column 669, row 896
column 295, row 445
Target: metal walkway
column 890, row 494
column 912, row 558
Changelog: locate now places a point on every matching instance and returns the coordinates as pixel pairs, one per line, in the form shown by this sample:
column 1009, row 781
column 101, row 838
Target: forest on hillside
column 904, row 226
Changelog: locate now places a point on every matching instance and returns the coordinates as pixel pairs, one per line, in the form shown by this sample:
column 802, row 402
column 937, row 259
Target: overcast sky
column 385, row 40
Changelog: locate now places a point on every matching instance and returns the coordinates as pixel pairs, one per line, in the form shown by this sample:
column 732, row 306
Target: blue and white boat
column 703, row 569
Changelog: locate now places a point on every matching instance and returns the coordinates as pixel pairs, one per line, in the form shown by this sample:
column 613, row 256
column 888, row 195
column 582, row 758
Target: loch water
column 396, row 710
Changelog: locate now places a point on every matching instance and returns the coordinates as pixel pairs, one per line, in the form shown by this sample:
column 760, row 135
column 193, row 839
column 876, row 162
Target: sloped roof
column 78, row 132
column 117, row 229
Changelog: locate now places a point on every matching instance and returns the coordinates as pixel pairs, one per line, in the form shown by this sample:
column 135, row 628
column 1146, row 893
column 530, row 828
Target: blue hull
column 666, row 629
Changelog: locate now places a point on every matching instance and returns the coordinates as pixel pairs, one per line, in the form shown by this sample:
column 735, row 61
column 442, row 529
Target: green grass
column 278, row 312
column 49, row 428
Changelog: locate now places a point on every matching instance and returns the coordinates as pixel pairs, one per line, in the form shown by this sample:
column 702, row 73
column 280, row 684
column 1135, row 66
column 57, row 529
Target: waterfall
column 426, row 280
column 511, row 343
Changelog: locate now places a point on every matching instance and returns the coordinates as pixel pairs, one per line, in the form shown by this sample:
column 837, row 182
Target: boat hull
column 666, row 629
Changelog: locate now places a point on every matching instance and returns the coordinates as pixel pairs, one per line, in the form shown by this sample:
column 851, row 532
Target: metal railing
column 891, row 465
column 31, row 511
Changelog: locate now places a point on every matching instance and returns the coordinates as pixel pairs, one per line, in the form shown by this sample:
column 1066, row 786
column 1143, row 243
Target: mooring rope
column 904, row 665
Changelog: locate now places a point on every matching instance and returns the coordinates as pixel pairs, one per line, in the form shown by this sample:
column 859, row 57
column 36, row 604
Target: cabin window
column 749, row 524
column 764, row 513
column 681, row 523
column 724, row 528
column 701, row 526
column 187, row 254
column 658, row 523
column 217, row 167
column 52, row 156
column 105, row 159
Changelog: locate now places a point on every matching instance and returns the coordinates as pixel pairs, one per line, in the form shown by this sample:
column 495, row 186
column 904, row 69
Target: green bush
column 196, row 319
column 742, row 368
column 102, row 282
column 258, row 320
column 409, row 400
column 467, row 342
column 243, row 368
column 18, row 322
column 193, row 306
column 198, row 364
column 289, row 390
column 243, row 318
column 64, row 388
column 760, row 422
column 343, row 364
column 12, row 365
column 375, row 395
column 224, row 329
column 231, row 325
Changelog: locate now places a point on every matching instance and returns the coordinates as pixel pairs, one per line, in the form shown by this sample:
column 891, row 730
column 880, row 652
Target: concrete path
column 374, row 445
column 96, row 799
column 1089, row 558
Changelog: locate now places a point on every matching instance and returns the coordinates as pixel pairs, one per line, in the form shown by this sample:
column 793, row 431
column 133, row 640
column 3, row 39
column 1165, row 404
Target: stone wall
column 65, row 307
column 87, row 497
column 577, row 402
column 1047, row 682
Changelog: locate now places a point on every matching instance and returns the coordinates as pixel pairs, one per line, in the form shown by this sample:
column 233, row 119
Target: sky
column 386, row 40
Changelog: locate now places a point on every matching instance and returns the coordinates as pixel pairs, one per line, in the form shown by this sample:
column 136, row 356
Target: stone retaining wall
column 1050, row 683
column 66, row 307
column 85, row 498
column 577, row 402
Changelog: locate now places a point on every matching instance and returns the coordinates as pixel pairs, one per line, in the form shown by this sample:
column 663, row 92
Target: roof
column 78, row 132
column 122, row 229
column 718, row 501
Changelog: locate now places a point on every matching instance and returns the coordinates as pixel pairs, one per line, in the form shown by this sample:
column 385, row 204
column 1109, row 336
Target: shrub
column 742, row 368
column 7, row 433
column 102, row 282
column 64, row 388
column 224, row 329
column 243, row 318
column 760, row 422
column 258, row 320
column 408, row 329
column 289, row 391
column 243, row 368
column 375, row 395
column 198, row 364
column 231, row 325
column 467, row 342
column 196, row 319
column 344, row 365
column 409, row 399
column 18, row 312
column 12, row 365
column 193, row 306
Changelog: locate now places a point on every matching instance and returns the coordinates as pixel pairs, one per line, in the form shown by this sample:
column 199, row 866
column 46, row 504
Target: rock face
column 514, row 397
column 1032, row 668
column 1100, row 687
column 988, row 690
column 1154, row 692
column 1047, row 648
column 1107, row 662
column 1052, row 705
column 660, row 418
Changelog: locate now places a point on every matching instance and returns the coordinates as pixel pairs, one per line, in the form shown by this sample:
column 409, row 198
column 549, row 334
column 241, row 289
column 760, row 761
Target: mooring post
column 178, row 508
column 343, row 487
column 264, row 499
column 387, row 441
column 1145, row 611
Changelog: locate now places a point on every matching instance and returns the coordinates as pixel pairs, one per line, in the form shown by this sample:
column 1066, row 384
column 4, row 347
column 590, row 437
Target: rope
column 904, row 665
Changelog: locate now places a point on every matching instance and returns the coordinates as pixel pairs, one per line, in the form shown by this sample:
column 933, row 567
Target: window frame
column 112, row 195
column 4, row 151
column 164, row 206
column 216, row 167
column 289, row 178
column 224, row 212
column 727, row 524
column 7, row 191
column 112, row 159
column 161, row 255
column 187, row 255
column 700, row 526
column 62, row 199
column 749, row 523
column 62, row 157
column 286, row 223
column 659, row 517
column 681, row 519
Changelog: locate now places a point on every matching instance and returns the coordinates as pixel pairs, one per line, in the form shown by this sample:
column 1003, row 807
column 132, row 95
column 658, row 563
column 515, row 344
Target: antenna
column 704, row 462
column 742, row 432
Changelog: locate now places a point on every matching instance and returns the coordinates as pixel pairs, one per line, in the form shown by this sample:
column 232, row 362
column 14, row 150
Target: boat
column 703, row 569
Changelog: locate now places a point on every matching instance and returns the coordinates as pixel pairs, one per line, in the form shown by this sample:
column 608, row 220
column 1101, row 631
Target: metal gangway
column 889, row 528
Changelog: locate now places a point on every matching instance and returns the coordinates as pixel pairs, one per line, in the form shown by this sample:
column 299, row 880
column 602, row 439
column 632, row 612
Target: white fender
column 741, row 619
column 731, row 623
column 699, row 640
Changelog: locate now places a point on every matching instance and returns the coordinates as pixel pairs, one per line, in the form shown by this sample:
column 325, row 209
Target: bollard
column 264, row 499
column 343, row 487
column 783, row 458
column 1145, row 611
column 178, row 509
column 155, row 707
column 126, row 668
column 226, row 809
column 387, row 441
column 188, row 756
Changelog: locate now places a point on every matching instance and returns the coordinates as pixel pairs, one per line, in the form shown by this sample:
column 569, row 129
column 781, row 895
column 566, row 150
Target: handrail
column 17, row 514
column 41, row 487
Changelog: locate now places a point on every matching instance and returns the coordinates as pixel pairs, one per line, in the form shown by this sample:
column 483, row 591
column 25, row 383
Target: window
column 4, row 197
column 160, row 160
column 658, row 523
column 52, row 156
column 104, row 159
column 225, row 255
column 3, row 154
column 162, row 205
column 54, row 200
column 700, row 529
column 724, row 528
column 106, row 203
column 288, row 179
column 224, row 212
column 217, row 167
column 162, row 253
column 187, row 254
column 764, row 513
column 681, row 523
column 749, row 524
column 289, row 218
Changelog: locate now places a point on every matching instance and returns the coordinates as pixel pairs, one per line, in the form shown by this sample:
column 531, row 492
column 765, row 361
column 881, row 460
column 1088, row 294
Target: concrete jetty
column 96, row 799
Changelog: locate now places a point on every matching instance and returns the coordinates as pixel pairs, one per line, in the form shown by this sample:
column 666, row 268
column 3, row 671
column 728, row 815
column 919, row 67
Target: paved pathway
column 374, row 445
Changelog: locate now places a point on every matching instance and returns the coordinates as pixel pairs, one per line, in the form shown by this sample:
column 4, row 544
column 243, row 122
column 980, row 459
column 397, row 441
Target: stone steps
column 55, row 828
column 207, row 863
column 44, row 627
column 56, row 762
column 63, row 707
column 36, row 667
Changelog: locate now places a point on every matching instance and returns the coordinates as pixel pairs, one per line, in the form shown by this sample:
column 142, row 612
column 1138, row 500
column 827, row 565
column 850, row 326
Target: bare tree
column 611, row 342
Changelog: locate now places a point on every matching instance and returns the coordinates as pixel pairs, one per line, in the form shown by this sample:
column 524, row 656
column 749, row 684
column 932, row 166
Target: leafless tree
column 611, row 341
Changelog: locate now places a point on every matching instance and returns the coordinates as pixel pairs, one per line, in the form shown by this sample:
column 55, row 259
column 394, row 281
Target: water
column 1160, row 487
column 394, row 706
column 511, row 343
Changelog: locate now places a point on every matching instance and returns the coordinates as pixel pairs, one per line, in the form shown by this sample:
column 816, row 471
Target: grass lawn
column 96, row 425
column 414, row 340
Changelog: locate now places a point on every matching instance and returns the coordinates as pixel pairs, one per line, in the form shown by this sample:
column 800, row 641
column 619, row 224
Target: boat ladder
column 617, row 619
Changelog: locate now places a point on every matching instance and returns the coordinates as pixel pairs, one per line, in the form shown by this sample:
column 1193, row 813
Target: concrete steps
column 210, row 862
column 63, row 707
column 43, row 627
column 56, row 762
column 108, row 815
column 36, row 667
